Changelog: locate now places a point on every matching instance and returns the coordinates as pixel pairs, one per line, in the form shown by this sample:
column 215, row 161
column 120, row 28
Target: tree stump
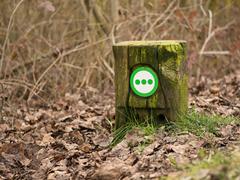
column 150, row 80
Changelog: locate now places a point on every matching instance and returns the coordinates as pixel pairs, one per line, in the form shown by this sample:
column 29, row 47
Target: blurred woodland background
column 48, row 48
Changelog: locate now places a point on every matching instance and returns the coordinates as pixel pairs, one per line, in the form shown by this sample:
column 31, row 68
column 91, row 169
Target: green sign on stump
column 150, row 79
column 144, row 81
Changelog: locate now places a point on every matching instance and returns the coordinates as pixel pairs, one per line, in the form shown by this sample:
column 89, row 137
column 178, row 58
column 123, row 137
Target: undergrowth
column 148, row 127
column 199, row 123
column 191, row 122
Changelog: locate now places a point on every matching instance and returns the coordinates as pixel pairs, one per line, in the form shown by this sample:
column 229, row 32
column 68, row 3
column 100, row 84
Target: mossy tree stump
column 166, row 59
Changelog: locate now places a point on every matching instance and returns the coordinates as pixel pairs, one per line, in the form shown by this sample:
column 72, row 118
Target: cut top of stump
column 149, row 43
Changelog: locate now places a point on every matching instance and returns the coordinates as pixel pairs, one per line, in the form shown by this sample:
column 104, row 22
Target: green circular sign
column 144, row 81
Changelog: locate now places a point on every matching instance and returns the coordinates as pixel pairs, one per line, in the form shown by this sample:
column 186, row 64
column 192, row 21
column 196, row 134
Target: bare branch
column 158, row 19
column 7, row 34
column 211, row 34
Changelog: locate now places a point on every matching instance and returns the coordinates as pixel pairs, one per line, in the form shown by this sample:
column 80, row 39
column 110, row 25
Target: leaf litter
column 70, row 139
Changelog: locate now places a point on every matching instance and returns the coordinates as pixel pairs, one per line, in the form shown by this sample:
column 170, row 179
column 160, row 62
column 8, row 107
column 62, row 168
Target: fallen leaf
column 214, row 89
column 115, row 169
column 85, row 148
column 226, row 131
column 180, row 149
column 4, row 127
column 46, row 140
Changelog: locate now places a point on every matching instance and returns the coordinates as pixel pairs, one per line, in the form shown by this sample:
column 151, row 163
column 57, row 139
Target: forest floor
column 70, row 139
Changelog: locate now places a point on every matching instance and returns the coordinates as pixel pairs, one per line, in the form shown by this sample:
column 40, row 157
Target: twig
column 78, row 67
column 157, row 20
column 110, row 71
column 22, row 84
column 211, row 34
column 202, row 9
column 60, row 56
column 1, row 104
column 210, row 23
column 113, row 34
column 166, row 19
column 215, row 53
column 7, row 34
column 50, row 21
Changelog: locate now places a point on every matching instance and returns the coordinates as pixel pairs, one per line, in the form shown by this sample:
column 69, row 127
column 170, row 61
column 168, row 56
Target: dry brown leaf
column 85, row 148
column 115, row 169
column 102, row 140
column 226, row 131
column 180, row 149
column 214, row 89
column 46, row 140
column 4, row 127
column 86, row 124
